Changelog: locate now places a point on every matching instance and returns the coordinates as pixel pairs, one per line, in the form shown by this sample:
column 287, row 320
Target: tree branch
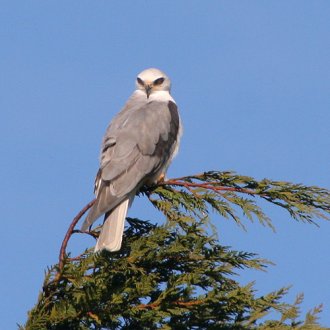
column 68, row 235
column 178, row 303
column 214, row 186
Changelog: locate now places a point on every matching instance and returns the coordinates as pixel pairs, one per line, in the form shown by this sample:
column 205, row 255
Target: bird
column 137, row 149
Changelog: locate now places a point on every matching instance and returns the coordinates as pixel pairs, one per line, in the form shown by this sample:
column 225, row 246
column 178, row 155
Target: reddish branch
column 214, row 186
column 69, row 233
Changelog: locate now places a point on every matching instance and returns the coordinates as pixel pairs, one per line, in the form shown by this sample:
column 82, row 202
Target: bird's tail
column 113, row 228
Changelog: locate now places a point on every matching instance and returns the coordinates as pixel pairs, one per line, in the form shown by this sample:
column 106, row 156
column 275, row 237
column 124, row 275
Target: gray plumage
column 137, row 149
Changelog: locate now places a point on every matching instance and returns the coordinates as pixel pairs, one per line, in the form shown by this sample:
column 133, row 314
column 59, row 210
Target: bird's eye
column 140, row 81
column 159, row 81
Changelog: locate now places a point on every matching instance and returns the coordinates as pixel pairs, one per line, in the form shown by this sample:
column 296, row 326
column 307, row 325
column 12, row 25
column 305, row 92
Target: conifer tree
column 176, row 275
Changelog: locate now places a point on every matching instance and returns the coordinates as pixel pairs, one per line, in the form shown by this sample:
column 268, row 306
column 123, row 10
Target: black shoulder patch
column 175, row 119
column 165, row 148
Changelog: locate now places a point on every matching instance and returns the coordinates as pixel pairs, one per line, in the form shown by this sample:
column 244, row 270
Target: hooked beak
column 148, row 90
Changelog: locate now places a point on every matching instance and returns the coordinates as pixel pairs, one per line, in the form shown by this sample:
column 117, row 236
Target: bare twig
column 68, row 235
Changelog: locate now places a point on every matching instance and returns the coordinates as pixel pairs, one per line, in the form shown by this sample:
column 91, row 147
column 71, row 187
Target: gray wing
column 136, row 149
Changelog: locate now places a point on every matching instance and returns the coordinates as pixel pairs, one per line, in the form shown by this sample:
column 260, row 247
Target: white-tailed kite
column 138, row 146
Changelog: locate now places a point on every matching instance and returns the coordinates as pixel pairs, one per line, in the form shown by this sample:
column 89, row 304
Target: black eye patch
column 159, row 81
column 140, row 81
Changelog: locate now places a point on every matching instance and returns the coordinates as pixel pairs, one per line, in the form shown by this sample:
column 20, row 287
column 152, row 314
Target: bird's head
column 152, row 80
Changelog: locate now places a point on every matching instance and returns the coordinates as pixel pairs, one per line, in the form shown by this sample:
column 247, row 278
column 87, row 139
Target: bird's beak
column 148, row 90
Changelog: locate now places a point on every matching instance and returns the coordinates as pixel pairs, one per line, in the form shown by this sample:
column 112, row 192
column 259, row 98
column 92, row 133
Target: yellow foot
column 161, row 178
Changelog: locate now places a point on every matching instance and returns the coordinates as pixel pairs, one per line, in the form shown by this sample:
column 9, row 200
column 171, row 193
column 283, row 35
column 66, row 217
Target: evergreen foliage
column 177, row 275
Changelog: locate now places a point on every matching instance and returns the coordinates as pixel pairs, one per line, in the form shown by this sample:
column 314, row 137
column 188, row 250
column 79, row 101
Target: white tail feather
column 113, row 228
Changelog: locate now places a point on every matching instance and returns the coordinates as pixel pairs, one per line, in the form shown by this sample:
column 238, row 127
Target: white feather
column 113, row 228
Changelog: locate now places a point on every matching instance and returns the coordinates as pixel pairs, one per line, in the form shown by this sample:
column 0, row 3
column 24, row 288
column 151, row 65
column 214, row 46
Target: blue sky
column 251, row 79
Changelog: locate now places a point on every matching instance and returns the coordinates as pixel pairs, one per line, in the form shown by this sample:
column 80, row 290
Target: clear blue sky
column 252, row 82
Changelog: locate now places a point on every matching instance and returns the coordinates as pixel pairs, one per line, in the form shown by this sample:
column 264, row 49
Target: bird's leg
column 152, row 184
column 161, row 178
